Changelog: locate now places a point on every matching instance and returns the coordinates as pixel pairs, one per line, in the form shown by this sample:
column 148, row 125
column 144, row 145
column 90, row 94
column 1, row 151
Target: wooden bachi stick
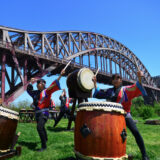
column 97, row 72
column 67, row 64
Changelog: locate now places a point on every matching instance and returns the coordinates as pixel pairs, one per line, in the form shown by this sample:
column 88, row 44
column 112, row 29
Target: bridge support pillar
column 3, row 77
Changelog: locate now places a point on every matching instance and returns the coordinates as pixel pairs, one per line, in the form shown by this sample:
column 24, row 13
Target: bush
column 137, row 102
column 134, row 111
column 157, row 108
column 146, row 112
column 139, row 109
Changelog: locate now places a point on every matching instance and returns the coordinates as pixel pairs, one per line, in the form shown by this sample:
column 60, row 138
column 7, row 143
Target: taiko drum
column 80, row 83
column 100, row 131
column 8, row 125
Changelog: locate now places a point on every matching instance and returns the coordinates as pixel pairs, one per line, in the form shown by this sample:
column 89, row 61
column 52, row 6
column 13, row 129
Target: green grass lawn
column 60, row 143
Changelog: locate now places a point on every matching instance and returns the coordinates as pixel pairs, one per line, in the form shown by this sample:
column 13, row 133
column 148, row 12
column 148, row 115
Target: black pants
column 41, row 120
column 132, row 126
column 61, row 114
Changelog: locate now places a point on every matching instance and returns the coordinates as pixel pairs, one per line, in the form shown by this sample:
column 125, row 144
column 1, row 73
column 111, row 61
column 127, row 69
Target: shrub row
column 139, row 109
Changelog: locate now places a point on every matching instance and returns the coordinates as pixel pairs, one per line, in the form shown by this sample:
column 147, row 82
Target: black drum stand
column 72, row 117
column 12, row 152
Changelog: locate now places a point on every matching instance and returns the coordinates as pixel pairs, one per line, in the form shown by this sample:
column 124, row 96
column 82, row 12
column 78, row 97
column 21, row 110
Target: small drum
column 100, row 131
column 80, row 83
column 8, row 125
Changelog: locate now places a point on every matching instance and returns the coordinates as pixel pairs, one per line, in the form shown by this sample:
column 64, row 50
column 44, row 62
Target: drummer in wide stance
column 64, row 109
column 41, row 101
column 124, row 95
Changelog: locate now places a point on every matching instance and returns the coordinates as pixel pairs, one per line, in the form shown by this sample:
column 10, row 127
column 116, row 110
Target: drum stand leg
column 12, row 152
column 15, row 139
column 72, row 114
column 80, row 100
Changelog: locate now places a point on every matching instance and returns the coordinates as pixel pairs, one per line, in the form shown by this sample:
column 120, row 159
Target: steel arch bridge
column 26, row 54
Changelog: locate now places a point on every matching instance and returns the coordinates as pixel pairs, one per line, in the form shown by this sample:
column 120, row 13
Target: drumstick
column 67, row 65
column 97, row 72
column 135, row 62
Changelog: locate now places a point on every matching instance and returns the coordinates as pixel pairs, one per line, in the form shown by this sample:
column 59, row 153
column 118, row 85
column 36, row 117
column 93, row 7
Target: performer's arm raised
column 55, row 85
column 94, row 79
column 30, row 90
column 140, row 75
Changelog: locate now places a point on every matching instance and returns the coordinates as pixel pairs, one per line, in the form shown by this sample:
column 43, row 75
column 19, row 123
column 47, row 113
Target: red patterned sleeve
column 134, row 90
column 55, row 86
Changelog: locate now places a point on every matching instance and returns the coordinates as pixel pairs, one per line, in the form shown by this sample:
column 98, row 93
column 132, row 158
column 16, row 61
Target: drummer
column 52, row 105
column 64, row 109
column 41, row 101
column 124, row 95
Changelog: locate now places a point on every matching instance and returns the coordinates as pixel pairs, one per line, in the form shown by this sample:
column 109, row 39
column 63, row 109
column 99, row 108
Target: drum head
column 84, row 79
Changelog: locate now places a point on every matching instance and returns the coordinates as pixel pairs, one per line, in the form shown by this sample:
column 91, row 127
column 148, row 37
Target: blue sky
column 134, row 23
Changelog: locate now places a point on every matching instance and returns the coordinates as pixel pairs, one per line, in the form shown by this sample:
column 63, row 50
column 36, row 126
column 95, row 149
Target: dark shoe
column 145, row 158
column 41, row 150
column 130, row 157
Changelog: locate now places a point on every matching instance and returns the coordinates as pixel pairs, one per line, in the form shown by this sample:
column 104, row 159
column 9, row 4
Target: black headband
column 41, row 80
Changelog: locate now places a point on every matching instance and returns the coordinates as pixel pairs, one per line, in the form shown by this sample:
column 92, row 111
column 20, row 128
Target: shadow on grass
column 58, row 129
column 29, row 145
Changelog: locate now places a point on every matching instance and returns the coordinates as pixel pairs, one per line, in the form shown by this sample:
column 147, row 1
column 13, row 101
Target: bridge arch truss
column 32, row 53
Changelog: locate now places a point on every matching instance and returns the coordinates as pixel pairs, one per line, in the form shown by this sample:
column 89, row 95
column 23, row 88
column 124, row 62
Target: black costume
column 41, row 102
column 64, row 108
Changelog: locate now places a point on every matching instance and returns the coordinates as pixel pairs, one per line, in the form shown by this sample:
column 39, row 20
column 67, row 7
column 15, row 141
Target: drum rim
column 113, row 103
column 80, row 155
column 9, row 113
column 91, row 106
column 105, row 109
column 4, row 150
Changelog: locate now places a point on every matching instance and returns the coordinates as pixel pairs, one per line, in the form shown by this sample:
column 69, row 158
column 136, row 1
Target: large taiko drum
column 8, row 125
column 80, row 83
column 100, row 131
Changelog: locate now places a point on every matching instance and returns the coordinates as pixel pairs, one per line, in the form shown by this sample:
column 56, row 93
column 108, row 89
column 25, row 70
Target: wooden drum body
column 100, row 131
column 80, row 83
column 8, row 125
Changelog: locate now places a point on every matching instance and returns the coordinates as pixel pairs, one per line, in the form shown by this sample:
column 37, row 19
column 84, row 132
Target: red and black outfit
column 64, row 108
column 41, row 101
column 124, row 96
